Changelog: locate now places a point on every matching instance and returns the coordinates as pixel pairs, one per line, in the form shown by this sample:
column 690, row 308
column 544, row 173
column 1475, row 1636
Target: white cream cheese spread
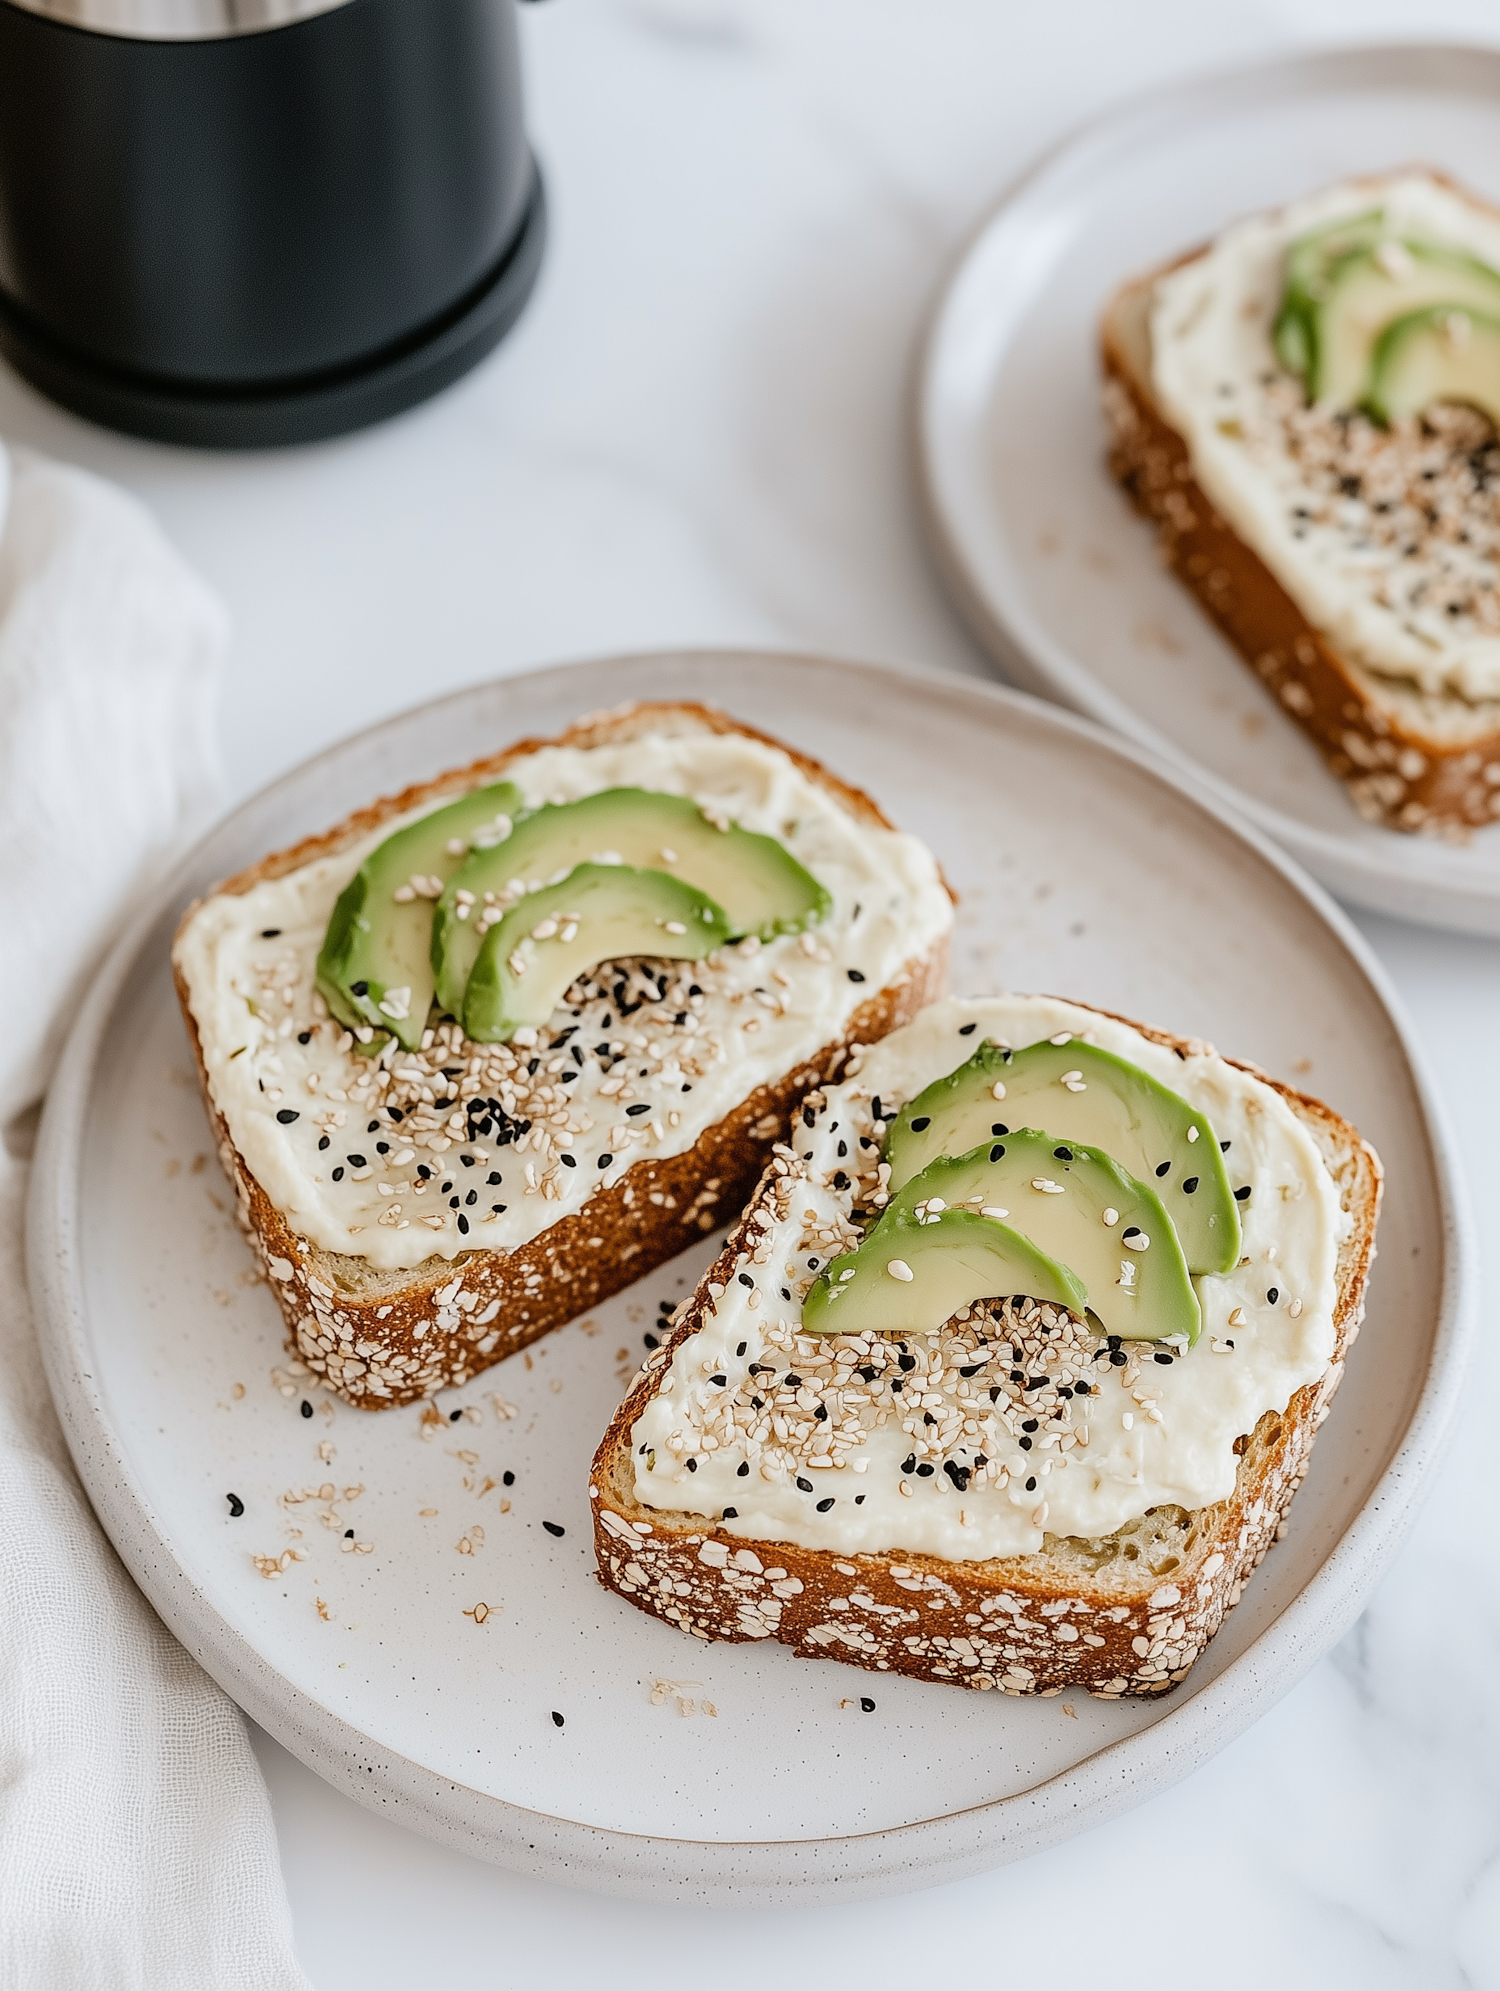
column 849, row 1443
column 1387, row 541
column 406, row 1156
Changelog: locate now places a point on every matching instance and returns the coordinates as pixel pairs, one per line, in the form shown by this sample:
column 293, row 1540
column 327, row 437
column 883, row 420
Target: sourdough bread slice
column 380, row 1337
column 1411, row 759
column 1123, row 1613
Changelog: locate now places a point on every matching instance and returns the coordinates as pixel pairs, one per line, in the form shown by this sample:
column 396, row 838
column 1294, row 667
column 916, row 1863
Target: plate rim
column 859, row 1865
column 1017, row 640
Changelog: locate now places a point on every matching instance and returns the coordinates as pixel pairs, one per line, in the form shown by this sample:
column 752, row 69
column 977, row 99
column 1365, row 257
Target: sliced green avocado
column 1368, row 289
column 1079, row 1206
column 1444, row 353
column 599, row 912
column 1082, row 1094
column 940, row 1267
column 1308, row 262
column 377, row 950
column 760, row 885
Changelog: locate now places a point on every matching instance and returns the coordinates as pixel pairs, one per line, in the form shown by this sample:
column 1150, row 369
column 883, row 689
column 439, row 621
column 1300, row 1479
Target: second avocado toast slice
column 1013, row 1498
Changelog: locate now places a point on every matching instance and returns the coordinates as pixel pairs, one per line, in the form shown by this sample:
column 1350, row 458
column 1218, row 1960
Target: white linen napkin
column 137, row 1847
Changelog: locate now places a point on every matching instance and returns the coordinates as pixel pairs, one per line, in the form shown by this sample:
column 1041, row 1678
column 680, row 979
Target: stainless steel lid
column 177, row 20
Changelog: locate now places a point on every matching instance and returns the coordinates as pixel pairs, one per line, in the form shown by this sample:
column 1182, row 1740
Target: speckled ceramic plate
column 452, row 1661
column 1057, row 575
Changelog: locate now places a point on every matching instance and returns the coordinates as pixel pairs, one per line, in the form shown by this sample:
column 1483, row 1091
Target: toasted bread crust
column 1398, row 773
column 1032, row 1624
column 382, row 1342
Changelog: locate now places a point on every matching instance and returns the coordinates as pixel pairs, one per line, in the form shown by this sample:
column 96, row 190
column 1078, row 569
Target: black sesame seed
column 820, row 1415
column 304, row 1036
column 463, row 1224
column 557, row 1720
column 554, row 1528
column 424, row 1171
column 867, row 1706
column 467, row 1160
column 877, row 1111
column 967, row 1029
column 1164, row 1359
column 1082, row 1389
column 382, row 1147
column 924, row 1471
column 507, row 1479
column 1030, row 1424
column 742, row 1471
column 373, row 1128
column 719, row 1382
column 1118, row 1358
column 1162, row 1167
column 651, row 1341
column 348, row 1534
column 997, row 1152
column 824, row 1505
column 472, row 1198
column 692, row 1465
column 606, row 1161
column 1273, row 1295
column 1025, row 1444
column 1190, row 1185
column 568, row 1161
column 731, row 1514
column 324, row 1143
column 909, row 1463
column 1223, row 1147
column 999, row 1128
column 922, row 1123
column 742, row 1347
column 306, row 1408
column 452, row 1202
column 972, row 1370
column 856, row 974
column 745, row 1279
column 809, row 1118
column 287, row 1115
column 338, row 1175
column 493, row 1178
column 635, row 1112
column 793, row 1381
column 236, row 1506
column 1031, row 1485
column 356, row 1161
column 454, row 1416
column 1063, row 1154
column 1241, row 1195
column 359, row 988
column 840, row 1180
column 843, row 1149
column 498, row 1209
column 270, row 933
column 804, row 1485
column 906, row 1363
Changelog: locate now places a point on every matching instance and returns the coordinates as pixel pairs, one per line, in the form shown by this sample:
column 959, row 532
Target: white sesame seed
column 899, row 1269
column 1111, row 1217
column 997, row 1090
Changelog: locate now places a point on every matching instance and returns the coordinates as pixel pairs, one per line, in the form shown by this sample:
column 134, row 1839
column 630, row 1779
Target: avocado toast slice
column 423, row 1213
column 984, row 1572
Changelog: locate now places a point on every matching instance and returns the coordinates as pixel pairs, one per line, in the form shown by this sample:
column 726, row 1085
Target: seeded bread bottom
column 1411, row 760
column 1123, row 1614
column 382, row 1339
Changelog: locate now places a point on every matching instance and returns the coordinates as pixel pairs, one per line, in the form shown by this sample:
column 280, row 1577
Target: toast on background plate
column 1012, row 1367
column 1306, row 410
column 492, row 1048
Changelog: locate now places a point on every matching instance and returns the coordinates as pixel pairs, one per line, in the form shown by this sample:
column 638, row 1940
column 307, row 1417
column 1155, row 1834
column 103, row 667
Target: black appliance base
column 273, row 414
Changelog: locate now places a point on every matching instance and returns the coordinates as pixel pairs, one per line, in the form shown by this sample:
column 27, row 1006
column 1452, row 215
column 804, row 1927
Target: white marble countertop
column 698, row 434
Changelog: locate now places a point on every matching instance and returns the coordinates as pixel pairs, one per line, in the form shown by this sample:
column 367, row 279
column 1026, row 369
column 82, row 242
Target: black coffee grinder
column 240, row 223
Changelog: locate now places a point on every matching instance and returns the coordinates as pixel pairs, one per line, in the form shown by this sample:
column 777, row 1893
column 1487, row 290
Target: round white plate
column 1082, row 871
column 1057, row 574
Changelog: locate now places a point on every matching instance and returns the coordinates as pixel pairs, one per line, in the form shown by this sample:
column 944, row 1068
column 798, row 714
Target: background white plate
column 1081, row 870
column 1054, row 570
